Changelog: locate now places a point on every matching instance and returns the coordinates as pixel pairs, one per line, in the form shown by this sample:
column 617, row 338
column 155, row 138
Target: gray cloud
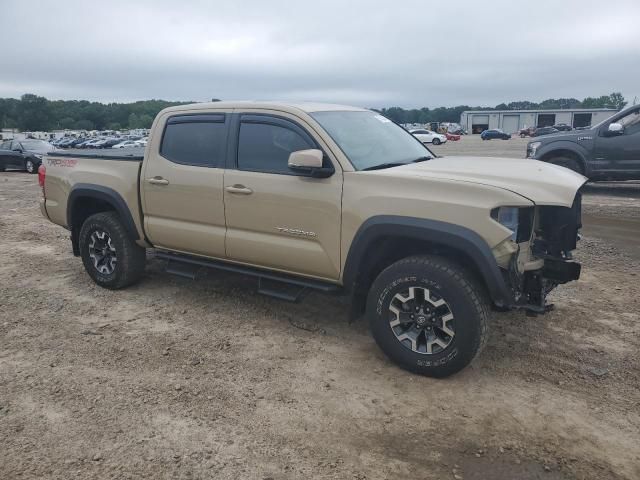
column 410, row 53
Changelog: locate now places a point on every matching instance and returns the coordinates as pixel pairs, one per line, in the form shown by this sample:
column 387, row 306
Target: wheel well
column 548, row 157
column 83, row 208
column 388, row 250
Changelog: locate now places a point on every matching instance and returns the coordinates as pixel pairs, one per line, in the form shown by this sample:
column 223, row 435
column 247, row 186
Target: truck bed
column 113, row 173
column 135, row 154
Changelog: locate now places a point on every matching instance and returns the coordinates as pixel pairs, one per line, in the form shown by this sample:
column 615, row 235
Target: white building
column 511, row 121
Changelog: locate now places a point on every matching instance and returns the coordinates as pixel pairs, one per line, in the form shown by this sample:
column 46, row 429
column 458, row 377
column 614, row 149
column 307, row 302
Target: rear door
column 5, row 154
column 182, row 182
column 275, row 217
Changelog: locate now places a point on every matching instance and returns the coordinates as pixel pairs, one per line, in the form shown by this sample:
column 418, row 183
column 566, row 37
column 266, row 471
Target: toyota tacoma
column 330, row 198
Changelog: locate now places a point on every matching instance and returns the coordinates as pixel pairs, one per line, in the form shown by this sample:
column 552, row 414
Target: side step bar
column 274, row 284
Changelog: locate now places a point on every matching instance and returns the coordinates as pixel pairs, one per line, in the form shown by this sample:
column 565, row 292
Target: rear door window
column 198, row 140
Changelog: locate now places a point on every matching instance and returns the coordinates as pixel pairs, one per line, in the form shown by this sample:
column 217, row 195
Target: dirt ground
column 179, row 379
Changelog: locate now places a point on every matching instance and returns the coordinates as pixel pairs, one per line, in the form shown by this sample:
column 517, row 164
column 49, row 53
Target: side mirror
column 309, row 163
column 614, row 129
column 18, row 149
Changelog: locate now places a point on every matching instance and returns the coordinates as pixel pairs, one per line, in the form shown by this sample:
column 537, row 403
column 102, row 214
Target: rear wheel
column 436, row 141
column 428, row 316
column 566, row 162
column 110, row 257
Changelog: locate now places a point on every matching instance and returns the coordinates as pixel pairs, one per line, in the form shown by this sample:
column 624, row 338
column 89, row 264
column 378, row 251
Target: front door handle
column 158, row 181
column 239, row 189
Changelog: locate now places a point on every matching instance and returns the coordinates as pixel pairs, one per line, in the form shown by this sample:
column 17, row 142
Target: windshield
column 369, row 139
column 37, row 146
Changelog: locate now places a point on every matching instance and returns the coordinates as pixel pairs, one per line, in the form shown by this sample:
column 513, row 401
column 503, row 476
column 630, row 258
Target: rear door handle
column 158, row 181
column 239, row 189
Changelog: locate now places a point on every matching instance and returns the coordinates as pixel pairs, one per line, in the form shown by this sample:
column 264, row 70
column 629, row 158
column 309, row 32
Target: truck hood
column 542, row 183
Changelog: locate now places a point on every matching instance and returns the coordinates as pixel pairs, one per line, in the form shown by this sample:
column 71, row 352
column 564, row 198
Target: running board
column 274, row 284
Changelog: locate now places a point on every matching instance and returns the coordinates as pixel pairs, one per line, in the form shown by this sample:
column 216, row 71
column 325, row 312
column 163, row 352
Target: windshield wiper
column 397, row 164
column 384, row 165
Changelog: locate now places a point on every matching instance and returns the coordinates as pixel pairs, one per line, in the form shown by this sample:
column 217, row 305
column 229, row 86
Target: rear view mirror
column 309, row 163
column 306, row 159
column 615, row 129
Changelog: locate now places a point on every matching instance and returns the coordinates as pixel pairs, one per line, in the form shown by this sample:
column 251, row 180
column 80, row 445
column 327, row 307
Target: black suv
column 607, row 151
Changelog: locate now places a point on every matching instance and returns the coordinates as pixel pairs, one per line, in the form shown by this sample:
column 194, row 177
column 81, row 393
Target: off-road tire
column 436, row 141
column 566, row 162
column 130, row 258
column 467, row 303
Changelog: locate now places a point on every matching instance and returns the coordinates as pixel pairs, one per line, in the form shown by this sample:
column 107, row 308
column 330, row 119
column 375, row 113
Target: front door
column 15, row 159
column 276, row 218
column 621, row 152
column 182, row 183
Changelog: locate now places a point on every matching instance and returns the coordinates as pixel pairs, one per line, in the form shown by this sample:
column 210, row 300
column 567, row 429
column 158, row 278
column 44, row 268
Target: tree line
column 34, row 113
column 452, row 114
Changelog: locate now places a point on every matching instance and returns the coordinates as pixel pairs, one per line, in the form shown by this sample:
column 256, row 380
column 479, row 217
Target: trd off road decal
column 62, row 162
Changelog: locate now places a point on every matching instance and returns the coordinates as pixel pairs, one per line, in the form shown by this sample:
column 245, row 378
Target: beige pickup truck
column 331, row 198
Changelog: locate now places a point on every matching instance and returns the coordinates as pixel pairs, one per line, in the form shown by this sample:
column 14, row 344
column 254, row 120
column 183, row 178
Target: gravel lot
column 179, row 379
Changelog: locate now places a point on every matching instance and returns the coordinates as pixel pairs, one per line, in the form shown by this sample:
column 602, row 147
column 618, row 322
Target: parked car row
column 100, row 142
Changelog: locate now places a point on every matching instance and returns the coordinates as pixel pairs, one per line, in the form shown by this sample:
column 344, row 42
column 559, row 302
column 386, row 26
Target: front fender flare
column 576, row 148
column 435, row 232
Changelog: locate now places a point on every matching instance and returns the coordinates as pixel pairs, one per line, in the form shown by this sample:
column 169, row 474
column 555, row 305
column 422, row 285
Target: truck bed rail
column 121, row 154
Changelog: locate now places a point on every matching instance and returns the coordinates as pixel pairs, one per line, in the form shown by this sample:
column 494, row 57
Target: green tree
column 617, row 100
column 145, row 121
column 84, row 125
column 34, row 113
column 133, row 121
column 66, row 123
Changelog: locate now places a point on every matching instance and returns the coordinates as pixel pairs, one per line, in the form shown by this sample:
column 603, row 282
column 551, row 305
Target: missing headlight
column 517, row 219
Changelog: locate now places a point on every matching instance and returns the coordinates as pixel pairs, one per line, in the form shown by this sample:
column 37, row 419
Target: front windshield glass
column 369, row 139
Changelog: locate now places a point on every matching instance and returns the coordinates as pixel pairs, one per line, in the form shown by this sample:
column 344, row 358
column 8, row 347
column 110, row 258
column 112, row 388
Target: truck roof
column 307, row 107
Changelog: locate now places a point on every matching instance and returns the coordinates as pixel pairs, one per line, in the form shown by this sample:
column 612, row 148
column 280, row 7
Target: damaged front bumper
column 545, row 259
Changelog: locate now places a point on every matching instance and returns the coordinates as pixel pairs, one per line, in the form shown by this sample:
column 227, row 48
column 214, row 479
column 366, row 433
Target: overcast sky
column 369, row 53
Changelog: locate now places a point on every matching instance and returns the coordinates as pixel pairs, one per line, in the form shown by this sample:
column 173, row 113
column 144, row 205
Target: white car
column 427, row 136
column 141, row 143
column 125, row 144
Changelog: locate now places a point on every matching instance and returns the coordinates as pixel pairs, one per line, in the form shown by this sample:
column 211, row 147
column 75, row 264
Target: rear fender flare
column 105, row 194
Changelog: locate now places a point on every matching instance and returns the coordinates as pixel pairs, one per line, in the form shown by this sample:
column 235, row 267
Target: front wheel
column 436, row 141
column 110, row 257
column 30, row 166
column 428, row 316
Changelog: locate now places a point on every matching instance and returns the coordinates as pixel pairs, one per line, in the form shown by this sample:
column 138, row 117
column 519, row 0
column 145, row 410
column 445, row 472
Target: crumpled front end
column 539, row 256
